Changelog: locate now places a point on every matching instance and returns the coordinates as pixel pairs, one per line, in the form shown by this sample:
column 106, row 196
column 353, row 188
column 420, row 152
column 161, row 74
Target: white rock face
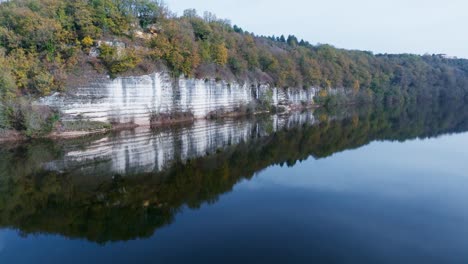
column 133, row 99
column 143, row 150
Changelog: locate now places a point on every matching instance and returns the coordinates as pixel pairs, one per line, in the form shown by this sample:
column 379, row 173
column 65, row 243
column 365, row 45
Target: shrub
column 84, row 125
column 87, row 41
column 7, row 82
column 118, row 61
column 32, row 120
column 168, row 117
column 246, row 109
column 43, row 82
column 4, row 124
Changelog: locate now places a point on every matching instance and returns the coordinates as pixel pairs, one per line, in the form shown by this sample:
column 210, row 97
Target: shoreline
column 13, row 136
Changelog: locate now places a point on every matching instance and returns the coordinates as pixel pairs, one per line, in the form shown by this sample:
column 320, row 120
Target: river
column 385, row 185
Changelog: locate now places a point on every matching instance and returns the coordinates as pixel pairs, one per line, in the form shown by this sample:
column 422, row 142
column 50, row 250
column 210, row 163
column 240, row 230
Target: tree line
column 43, row 41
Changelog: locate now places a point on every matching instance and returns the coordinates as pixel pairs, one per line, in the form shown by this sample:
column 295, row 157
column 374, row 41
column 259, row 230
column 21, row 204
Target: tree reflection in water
column 128, row 184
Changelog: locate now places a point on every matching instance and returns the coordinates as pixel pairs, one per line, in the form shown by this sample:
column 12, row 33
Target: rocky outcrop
column 136, row 99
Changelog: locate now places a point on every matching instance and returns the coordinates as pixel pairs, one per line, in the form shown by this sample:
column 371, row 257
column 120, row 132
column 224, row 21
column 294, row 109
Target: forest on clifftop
column 44, row 44
column 43, row 41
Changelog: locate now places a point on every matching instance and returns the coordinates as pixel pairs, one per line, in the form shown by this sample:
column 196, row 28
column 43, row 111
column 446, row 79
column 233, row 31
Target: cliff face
column 136, row 99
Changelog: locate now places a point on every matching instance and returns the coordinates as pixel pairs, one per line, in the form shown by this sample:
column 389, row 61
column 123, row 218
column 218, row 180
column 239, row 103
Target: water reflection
column 145, row 150
column 128, row 184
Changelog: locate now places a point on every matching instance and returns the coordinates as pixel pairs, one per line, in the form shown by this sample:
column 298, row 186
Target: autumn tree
column 220, row 54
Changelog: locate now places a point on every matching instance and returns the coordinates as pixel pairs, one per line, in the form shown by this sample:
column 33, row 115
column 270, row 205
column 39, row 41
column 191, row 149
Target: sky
column 381, row 26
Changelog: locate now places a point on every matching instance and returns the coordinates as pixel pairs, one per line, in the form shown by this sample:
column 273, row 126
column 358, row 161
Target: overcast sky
column 381, row 26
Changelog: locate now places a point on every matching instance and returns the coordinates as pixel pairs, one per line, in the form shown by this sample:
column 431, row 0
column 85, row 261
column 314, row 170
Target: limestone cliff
column 135, row 99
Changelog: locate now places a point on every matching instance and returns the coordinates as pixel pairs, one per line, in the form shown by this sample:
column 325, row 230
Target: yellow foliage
column 118, row 62
column 220, row 53
column 356, row 86
column 323, row 93
column 323, row 118
column 355, row 121
column 87, row 41
column 43, row 82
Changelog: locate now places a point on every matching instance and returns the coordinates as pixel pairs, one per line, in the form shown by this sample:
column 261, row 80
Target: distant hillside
column 42, row 41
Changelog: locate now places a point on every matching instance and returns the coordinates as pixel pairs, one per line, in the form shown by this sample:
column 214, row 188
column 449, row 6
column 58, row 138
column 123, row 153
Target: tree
column 209, row 17
column 356, row 86
column 87, row 42
column 282, row 39
column 83, row 22
column 220, row 54
column 238, row 29
column 201, row 29
column 7, row 81
column 190, row 13
column 146, row 11
column 292, row 41
column 118, row 61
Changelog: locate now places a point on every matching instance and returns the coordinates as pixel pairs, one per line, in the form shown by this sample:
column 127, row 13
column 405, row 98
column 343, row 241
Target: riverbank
column 59, row 133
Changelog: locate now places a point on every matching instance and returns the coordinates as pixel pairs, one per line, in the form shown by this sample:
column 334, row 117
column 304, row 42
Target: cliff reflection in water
column 128, row 184
column 144, row 150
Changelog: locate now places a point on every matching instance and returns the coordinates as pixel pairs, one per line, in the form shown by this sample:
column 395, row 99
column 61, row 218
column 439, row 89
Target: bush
column 85, row 125
column 246, row 109
column 43, row 82
column 87, row 41
column 32, row 120
column 215, row 114
column 118, row 61
column 173, row 116
column 7, row 81
column 4, row 124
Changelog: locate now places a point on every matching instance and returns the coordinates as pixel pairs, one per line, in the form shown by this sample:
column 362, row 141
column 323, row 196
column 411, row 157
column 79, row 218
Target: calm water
column 375, row 186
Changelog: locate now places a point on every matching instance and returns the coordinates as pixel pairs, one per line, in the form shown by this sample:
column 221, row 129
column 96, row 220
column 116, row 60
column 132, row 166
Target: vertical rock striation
column 135, row 99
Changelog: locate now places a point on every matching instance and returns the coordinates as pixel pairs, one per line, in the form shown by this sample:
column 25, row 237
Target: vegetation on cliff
column 44, row 42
